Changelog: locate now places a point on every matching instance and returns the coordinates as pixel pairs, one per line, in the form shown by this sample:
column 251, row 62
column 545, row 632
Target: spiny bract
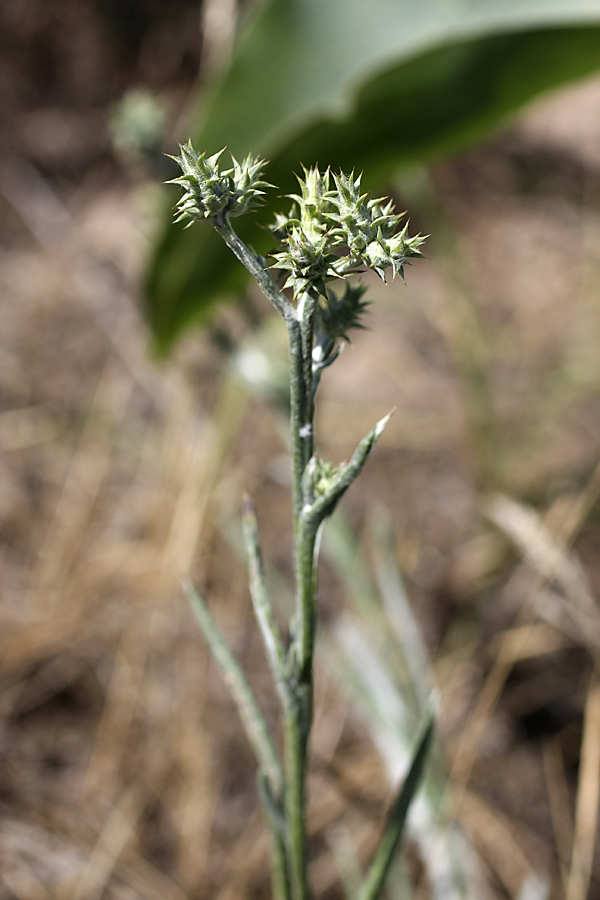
column 209, row 191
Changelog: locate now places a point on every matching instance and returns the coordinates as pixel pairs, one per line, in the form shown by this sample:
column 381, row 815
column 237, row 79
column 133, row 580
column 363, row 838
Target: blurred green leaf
column 359, row 85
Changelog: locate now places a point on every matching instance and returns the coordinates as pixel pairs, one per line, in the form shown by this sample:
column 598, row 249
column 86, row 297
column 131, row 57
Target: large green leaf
column 362, row 84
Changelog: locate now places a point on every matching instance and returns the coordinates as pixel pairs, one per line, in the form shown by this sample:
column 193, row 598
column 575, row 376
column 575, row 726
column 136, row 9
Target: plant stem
column 295, row 797
column 297, row 415
column 297, row 696
column 254, row 265
column 298, row 711
column 306, row 315
column 298, row 714
column 306, row 587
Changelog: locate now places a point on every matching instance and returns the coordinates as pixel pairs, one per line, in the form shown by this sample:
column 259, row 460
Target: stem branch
column 254, row 265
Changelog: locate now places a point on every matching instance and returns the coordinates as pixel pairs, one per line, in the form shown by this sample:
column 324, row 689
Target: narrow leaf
column 324, row 505
column 263, row 610
column 252, row 718
column 374, row 882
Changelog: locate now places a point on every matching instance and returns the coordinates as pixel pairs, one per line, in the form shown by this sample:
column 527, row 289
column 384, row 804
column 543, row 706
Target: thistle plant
column 332, row 232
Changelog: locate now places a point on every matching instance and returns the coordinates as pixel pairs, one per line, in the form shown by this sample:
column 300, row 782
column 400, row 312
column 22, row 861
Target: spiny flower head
column 304, row 235
column 209, row 191
column 336, row 316
column 369, row 229
column 308, row 261
column 313, row 203
column 391, row 253
column 324, row 221
column 356, row 218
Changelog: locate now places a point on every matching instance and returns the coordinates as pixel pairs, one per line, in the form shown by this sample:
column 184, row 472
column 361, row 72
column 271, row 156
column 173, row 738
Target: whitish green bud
column 391, row 253
column 308, row 262
column 368, row 228
column 319, row 479
column 209, row 191
column 304, row 236
column 314, row 203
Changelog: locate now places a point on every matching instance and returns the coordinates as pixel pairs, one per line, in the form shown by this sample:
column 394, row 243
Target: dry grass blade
column 551, row 559
column 560, row 805
column 147, row 880
column 514, row 644
column 529, row 641
column 25, row 885
column 588, row 799
column 74, row 508
column 218, row 28
column 87, row 273
column 26, row 427
column 534, row 888
column 504, row 847
column 118, row 831
column 122, row 696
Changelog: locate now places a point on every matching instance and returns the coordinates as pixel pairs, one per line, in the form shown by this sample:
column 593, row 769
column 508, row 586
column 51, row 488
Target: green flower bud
column 309, row 263
column 319, row 477
column 391, row 253
column 209, row 192
column 314, row 203
column 368, row 229
column 336, row 316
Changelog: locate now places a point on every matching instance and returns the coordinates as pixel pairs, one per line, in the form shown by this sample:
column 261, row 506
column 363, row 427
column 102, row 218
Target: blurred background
column 466, row 556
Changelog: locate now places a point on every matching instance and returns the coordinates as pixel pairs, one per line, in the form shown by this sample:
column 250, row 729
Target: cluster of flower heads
column 331, row 231
column 209, row 191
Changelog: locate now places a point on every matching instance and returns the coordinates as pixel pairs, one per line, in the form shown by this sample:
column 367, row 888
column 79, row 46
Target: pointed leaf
column 374, row 882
